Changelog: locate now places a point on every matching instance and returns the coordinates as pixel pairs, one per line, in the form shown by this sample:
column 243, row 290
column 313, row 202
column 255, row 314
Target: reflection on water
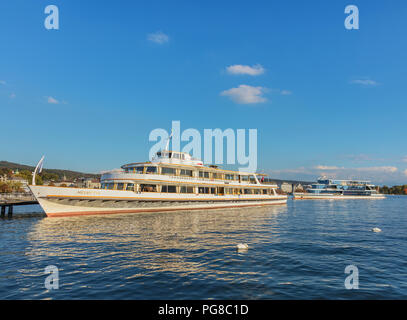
column 169, row 242
column 298, row 250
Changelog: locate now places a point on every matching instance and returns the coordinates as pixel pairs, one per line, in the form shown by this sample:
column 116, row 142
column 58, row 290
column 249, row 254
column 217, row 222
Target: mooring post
column 3, row 211
column 10, row 210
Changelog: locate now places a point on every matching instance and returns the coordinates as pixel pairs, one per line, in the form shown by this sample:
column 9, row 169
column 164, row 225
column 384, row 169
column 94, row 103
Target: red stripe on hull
column 88, row 213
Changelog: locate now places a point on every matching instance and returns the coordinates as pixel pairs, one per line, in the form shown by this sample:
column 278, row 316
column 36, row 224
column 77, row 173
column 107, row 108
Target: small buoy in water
column 376, row 230
column 242, row 246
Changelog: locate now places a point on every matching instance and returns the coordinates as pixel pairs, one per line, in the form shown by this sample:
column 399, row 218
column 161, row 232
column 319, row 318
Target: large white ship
column 171, row 181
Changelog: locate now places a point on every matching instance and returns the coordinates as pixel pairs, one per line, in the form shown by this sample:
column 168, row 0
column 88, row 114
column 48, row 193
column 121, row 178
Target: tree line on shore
column 10, row 171
column 401, row 190
column 13, row 186
column 9, row 185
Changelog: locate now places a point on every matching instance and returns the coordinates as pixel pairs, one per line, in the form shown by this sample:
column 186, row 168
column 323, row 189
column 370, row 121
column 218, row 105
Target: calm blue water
column 297, row 251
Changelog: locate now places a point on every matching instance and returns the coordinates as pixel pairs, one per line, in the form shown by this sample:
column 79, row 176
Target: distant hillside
column 70, row 175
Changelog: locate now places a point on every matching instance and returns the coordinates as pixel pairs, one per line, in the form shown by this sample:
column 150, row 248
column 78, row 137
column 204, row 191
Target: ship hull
column 309, row 196
column 62, row 202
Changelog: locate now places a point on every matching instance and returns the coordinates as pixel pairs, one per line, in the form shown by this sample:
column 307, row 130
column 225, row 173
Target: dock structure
column 9, row 200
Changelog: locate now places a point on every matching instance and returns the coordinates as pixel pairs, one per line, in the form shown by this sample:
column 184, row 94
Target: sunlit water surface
column 296, row 251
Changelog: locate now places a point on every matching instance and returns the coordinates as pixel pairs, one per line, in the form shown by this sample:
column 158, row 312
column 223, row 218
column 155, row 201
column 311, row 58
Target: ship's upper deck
column 327, row 181
column 182, row 159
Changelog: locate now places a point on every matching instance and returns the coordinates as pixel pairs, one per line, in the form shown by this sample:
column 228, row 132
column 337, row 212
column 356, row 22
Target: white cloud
column 52, row 100
column 404, row 159
column 241, row 69
column 158, row 37
column 322, row 167
column 365, row 82
column 361, row 169
column 285, row 92
column 388, row 169
column 360, row 157
column 3, row 82
column 245, row 94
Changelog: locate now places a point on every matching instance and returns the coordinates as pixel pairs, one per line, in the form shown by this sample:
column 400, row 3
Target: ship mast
column 37, row 168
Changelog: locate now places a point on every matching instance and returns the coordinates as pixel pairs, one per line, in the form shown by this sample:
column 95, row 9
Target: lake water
column 296, row 251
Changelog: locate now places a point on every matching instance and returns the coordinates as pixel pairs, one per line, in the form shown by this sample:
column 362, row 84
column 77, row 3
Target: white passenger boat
column 172, row 181
column 330, row 189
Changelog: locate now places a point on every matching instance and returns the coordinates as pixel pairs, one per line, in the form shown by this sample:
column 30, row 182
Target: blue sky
column 323, row 99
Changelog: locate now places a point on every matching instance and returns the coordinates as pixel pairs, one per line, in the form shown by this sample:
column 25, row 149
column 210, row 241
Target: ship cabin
column 325, row 185
column 178, row 172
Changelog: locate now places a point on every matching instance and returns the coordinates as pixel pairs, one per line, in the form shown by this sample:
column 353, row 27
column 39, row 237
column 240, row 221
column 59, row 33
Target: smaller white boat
column 331, row 189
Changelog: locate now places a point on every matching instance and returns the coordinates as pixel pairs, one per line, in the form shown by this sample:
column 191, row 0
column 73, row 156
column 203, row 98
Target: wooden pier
column 9, row 200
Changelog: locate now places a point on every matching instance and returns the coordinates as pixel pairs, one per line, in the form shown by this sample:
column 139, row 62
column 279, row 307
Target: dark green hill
column 70, row 175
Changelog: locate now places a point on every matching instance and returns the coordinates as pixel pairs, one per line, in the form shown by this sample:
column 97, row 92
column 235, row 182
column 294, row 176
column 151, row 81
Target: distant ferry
column 340, row 189
column 171, row 181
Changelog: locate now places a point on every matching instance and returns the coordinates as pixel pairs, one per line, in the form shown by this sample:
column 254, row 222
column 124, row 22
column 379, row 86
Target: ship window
column 169, row 189
column 130, row 187
column 151, row 170
column 245, row 178
column 257, row 191
column 204, row 174
column 175, row 155
column 186, row 173
column 203, row 190
column 169, row 171
column 110, row 186
column 139, row 169
column 120, row 186
column 247, row 191
column 148, row 188
column 187, row 189
column 264, row 191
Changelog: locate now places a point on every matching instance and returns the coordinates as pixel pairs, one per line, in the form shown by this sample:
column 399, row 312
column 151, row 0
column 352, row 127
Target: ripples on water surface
column 297, row 251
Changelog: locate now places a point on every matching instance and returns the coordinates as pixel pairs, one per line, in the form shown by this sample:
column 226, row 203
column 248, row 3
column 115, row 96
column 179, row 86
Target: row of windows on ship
column 190, row 173
column 182, row 189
